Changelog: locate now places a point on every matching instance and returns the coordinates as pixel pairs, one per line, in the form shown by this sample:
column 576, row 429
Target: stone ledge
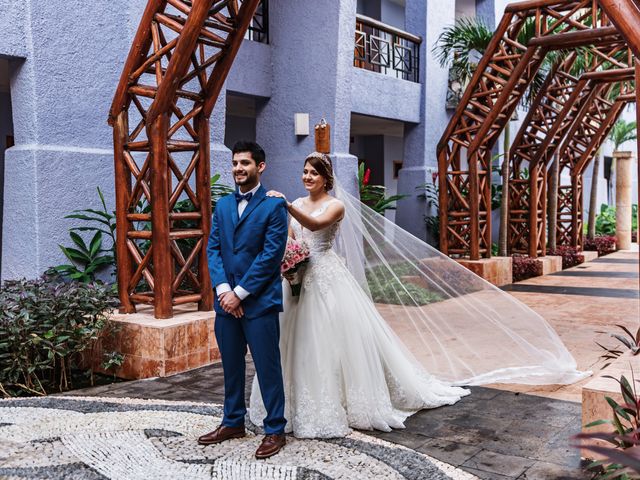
column 159, row 348
column 550, row 264
column 594, row 405
column 589, row 255
column 495, row 270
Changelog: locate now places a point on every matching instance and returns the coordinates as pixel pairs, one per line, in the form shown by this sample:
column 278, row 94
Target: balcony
column 387, row 50
column 258, row 30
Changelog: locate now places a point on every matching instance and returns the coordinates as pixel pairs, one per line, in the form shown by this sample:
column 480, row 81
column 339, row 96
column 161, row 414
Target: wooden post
column 443, row 205
column 637, row 82
column 123, row 225
column 474, row 209
column 203, row 174
column 533, row 213
column 163, row 269
column 553, row 201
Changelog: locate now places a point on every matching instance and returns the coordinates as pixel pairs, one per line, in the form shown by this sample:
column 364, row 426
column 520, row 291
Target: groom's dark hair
column 256, row 151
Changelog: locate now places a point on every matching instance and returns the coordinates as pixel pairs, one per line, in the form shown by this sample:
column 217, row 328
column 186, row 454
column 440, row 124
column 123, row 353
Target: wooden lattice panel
column 502, row 76
column 179, row 61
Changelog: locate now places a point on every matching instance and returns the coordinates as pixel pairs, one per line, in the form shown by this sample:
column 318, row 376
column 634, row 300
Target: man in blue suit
column 246, row 245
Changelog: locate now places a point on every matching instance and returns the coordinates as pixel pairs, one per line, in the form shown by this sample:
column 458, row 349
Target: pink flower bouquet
column 295, row 257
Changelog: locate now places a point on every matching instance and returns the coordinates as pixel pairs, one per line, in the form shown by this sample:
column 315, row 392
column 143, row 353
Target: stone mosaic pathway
column 107, row 438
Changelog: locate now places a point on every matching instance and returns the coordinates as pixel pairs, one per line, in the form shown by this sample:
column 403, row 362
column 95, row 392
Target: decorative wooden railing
column 503, row 75
column 180, row 58
column 384, row 49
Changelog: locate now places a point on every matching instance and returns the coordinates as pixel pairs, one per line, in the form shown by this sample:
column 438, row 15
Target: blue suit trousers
column 262, row 336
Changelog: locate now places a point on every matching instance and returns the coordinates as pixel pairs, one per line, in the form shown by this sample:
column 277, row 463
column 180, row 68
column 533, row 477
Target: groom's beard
column 247, row 181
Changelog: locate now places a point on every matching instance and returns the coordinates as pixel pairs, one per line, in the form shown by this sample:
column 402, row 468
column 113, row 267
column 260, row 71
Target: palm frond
column 621, row 132
column 456, row 44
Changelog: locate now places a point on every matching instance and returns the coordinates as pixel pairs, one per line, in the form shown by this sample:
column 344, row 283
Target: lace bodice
column 320, row 240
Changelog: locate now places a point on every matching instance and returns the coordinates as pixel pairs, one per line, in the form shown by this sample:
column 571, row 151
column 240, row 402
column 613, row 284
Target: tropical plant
column 102, row 221
column 375, row 196
column 629, row 340
column 429, row 192
column 45, row 327
column 622, row 459
column 605, row 223
column 86, row 260
column 622, row 132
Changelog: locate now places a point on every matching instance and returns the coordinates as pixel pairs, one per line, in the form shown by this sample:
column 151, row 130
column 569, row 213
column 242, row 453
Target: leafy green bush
column 45, row 325
column 375, row 196
column 396, row 290
column 606, row 220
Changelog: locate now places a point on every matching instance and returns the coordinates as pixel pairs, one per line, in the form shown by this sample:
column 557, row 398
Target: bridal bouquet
column 295, row 257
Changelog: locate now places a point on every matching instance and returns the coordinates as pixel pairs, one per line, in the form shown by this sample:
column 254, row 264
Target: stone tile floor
column 509, row 432
column 494, row 434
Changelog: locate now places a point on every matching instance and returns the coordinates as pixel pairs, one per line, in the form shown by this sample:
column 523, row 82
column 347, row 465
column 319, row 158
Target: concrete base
column 589, row 255
column 594, row 405
column 550, row 264
column 496, row 270
column 159, row 348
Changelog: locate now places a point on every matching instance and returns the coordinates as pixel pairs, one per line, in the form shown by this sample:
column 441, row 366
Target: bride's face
column 312, row 180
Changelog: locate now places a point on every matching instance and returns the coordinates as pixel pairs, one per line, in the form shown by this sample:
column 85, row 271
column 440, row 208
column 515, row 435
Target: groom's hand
column 230, row 303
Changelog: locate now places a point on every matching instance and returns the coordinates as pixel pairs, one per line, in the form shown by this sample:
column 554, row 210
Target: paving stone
column 452, row 452
column 402, row 437
column 492, row 462
column 551, row 471
column 486, row 475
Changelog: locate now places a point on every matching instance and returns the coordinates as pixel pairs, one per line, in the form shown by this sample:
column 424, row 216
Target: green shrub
column 387, row 289
column 45, row 324
column 606, row 220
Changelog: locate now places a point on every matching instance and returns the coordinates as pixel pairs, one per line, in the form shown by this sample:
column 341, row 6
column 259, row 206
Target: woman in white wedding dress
column 343, row 366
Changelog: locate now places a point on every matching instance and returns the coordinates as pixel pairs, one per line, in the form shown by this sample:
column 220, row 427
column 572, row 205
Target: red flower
column 434, row 176
column 365, row 178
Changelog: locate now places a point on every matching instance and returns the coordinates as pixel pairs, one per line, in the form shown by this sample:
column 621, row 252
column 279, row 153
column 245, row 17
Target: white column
column 624, row 163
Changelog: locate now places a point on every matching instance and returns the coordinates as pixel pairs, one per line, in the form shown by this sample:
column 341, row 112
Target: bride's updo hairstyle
column 322, row 164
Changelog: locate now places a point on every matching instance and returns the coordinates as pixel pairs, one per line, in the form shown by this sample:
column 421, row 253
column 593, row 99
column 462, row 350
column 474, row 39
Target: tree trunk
column 553, row 202
column 593, row 199
column 504, row 203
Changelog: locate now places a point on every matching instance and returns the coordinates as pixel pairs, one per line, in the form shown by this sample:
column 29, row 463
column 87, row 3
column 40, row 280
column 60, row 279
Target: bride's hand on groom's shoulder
column 277, row 194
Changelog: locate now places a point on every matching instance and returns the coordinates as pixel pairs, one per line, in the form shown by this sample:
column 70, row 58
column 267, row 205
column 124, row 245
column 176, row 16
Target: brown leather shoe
column 271, row 444
column 221, row 434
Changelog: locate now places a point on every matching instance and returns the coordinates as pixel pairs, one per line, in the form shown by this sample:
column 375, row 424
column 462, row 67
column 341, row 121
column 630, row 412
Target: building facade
column 366, row 66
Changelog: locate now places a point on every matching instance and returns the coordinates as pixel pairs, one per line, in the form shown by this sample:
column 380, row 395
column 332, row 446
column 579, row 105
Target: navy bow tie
column 246, row 196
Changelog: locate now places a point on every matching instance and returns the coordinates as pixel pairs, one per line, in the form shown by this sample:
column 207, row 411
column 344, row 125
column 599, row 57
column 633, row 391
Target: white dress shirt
column 225, row 287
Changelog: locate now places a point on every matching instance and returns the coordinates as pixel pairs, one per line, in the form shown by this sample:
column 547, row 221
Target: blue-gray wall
column 66, row 68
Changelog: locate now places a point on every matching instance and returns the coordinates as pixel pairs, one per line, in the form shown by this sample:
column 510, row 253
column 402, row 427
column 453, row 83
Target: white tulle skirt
column 343, row 366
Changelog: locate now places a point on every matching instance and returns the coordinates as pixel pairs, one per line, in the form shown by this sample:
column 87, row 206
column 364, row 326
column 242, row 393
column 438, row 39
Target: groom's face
column 246, row 172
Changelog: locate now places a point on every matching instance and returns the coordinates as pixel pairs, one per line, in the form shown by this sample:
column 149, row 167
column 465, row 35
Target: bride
column 367, row 282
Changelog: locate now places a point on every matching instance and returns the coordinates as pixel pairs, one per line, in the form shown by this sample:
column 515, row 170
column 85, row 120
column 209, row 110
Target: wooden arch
column 180, row 57
column 608, row 28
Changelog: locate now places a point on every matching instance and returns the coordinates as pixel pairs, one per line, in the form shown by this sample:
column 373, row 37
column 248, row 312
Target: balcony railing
column 258, row 30
column 384, row 49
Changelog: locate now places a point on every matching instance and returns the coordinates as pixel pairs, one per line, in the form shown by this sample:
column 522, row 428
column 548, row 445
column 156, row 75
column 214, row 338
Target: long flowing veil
column 459, row 327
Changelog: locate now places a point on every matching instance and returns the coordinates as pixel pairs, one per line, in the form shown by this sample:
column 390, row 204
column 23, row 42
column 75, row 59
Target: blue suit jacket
column 247, row 251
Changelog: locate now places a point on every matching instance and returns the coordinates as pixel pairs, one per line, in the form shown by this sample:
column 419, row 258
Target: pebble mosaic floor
column 120, row 438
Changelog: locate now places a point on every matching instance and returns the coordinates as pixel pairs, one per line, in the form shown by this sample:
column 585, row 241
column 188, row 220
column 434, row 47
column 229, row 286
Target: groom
column 247, row 241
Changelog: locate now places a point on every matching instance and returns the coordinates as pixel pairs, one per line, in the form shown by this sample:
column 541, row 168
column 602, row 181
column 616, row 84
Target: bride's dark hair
column 322, row 163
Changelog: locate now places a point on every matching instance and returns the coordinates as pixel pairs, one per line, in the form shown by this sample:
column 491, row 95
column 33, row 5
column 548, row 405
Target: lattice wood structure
column 181, row 55
column 528, row 32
